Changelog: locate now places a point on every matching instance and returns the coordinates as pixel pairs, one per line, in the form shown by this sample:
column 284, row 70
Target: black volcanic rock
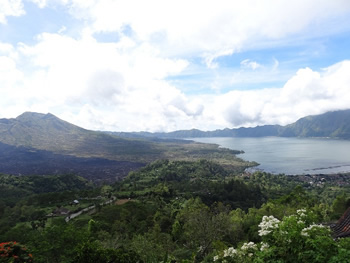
column 24, row 161
column 35, row 143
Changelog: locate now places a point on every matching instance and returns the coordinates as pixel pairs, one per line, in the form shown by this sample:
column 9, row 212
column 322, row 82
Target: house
column 342, row 227
column 60, row 212
column 74, row 202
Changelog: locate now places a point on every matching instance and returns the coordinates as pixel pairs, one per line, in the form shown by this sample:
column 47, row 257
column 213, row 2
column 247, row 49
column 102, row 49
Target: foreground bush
column 14, row 252
column 296, row 238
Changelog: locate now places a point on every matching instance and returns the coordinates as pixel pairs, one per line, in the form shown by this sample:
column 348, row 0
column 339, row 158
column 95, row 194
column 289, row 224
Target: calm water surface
column 291, row 155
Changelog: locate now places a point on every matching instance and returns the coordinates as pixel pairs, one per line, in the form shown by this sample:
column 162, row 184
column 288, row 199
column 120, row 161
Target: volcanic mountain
column 35, row 143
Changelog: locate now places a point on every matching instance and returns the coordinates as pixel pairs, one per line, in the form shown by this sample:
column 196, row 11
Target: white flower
column 267, row 224
column 301, row 211
column 216, row 258
column 230, row 252
column 305, row 231
column 249, row 245
column 264, row 232
column 264, row 246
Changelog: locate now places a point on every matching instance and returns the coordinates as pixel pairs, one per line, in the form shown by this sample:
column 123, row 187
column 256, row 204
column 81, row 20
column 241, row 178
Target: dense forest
column 173, row 211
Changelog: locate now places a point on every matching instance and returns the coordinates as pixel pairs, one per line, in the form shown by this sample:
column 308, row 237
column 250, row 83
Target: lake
column 290, row 155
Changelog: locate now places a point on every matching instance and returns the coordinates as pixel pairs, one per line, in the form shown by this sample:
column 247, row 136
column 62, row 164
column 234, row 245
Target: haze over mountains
column 334, row 124
column 47, row 132
column 35, row 143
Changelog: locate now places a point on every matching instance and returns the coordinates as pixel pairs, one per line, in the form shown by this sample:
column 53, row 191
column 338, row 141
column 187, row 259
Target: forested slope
column 177, row 211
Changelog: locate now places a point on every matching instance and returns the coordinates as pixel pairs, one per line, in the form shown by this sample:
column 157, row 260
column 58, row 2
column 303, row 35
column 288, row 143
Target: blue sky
column 169, row 65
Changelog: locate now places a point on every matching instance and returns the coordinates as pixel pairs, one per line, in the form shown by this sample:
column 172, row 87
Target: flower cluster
column 268, row 224
column 216, row 258
column 230, row 252
column 264, row 246
column 301, row 216
column 305, row 231
column 15, row 251
column 247, row 249
column 301, row 212
column 294, row 237
column 247, row 246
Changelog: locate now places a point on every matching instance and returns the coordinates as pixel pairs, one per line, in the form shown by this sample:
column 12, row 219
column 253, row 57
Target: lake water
column 290, row 155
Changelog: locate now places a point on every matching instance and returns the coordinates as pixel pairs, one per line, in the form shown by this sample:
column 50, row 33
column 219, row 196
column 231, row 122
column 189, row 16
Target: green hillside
column 15, row 187
column 334, row 124
column 173, row 211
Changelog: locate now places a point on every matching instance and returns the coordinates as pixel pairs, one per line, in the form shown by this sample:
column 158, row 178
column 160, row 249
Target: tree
column 340, row 204
column 199, row 227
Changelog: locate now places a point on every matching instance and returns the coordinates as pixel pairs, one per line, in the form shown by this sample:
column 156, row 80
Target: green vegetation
column 175, row 211
column 191, row 203
column 296, row 238
column 331, row 124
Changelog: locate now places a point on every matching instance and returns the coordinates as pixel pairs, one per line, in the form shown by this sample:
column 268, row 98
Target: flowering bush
column 14, row 252
column 294, row 239
column 267, row 225
column 244, row 254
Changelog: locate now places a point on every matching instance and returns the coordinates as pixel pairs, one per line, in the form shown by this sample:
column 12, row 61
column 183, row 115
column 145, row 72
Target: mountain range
column 42, row 144
column 334, row 124
column 35, row 143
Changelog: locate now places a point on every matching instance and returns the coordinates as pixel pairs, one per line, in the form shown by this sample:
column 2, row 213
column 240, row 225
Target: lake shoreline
column 290, row 156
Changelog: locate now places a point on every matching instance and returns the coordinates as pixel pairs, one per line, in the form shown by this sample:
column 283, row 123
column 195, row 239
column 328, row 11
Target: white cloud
column 308, row 92
column 247, row 63
column 40, row 3
column 9, row 74
column 211, row 29
column 120, row 84
column 123, row 85
column 10, row 8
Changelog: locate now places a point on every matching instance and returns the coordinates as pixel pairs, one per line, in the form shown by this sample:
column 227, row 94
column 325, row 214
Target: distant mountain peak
column 30, row 114
column 44, row 120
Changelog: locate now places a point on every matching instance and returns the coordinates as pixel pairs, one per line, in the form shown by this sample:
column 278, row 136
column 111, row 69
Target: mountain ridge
column 333, row 124
column 48, row 132
column 36, row 143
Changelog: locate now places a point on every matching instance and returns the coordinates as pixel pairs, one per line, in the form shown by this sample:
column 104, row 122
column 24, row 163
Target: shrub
column 14, row 252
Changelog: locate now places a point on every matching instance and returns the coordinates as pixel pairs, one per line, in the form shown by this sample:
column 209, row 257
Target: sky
column 161, row 65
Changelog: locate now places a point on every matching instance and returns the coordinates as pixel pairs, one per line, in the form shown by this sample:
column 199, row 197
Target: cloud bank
column 82, row 76
column 10, row 8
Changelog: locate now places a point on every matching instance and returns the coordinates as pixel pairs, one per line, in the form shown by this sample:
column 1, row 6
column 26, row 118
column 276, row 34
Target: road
column 87, row 209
